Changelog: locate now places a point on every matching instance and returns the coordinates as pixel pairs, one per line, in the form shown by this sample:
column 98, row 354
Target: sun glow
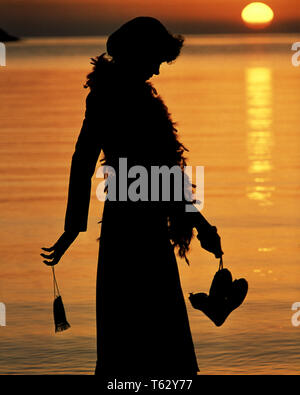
column 257, row 15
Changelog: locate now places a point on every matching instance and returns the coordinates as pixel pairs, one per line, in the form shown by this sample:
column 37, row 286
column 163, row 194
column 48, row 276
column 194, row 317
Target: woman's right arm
column 207, row 234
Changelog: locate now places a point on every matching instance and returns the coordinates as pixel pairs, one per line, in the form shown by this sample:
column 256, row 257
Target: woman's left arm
column 84, row 160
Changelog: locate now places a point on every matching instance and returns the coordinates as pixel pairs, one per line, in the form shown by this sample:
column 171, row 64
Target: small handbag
column 60, row 320
column 224, row 296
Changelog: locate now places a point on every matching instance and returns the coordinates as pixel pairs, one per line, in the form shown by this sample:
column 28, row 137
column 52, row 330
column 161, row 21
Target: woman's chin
column 148, row 76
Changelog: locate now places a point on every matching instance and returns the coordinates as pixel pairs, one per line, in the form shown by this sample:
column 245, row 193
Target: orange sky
column 196, row 9
column 90, row 16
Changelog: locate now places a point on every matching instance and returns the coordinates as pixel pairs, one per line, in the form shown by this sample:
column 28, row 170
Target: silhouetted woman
column 142, row 321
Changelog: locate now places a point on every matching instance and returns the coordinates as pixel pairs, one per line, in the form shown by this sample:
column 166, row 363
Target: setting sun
column 257, row 15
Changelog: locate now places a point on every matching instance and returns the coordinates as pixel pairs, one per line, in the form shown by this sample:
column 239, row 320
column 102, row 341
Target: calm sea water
column 236, row 102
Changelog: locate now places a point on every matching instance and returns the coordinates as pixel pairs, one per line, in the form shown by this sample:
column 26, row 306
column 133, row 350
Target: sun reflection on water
column 260, row 136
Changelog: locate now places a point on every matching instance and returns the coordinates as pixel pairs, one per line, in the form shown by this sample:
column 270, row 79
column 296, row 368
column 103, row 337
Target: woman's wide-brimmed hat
column 144, row 36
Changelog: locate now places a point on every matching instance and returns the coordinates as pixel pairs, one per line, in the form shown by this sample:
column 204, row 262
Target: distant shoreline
column 6, row 37
column 198, row 27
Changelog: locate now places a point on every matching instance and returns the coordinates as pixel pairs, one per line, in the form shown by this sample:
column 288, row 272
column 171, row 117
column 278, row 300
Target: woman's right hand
column 59, row 248
column 211, row 241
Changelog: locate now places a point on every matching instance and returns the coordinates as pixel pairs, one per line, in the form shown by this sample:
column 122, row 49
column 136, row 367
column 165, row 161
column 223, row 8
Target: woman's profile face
column 149, row 68
column 142, row 67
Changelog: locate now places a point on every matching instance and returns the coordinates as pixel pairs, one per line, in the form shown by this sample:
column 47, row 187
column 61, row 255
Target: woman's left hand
column 59, row 248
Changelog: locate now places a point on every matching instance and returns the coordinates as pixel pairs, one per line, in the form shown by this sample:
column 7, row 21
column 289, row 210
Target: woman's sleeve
column 84, row 160
column 198, row 221
column 194, row 218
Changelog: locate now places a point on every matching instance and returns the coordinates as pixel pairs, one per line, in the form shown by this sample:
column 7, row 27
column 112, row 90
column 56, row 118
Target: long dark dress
column 142, row 321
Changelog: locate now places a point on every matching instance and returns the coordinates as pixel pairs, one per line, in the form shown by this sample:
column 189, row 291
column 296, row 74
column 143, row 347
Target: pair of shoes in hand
column 224, row 296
